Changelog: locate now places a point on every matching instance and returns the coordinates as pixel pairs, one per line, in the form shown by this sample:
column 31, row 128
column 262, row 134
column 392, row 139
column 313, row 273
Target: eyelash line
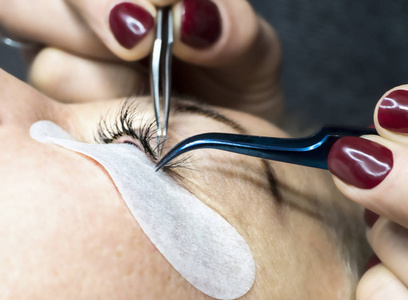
column 123, row 125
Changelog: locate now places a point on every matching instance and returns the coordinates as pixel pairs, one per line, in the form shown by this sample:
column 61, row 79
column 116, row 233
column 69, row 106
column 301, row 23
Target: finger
column 51, row 23
column 239, row 59
column 213, row 33
column 391, row 115
column 379, row 283
column 69, row 78
column 126, row 28
column 390, row 241
column 371, row 171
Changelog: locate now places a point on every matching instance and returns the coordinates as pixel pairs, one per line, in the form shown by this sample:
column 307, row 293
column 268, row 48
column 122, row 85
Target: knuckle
column 375, row 284
column 390, row 197
column 378, row 233
column 42, row 74
column 387, row 238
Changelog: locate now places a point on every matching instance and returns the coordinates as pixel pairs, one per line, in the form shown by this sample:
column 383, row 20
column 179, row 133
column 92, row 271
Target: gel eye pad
column 201, row 245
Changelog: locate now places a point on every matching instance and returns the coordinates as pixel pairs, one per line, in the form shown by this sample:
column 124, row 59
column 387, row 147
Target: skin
column 240, row 73
column 67, row 233
column 389, row 235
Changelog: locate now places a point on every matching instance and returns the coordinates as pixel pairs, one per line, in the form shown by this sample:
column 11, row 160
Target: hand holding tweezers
column 160, row 75
column 310, row 151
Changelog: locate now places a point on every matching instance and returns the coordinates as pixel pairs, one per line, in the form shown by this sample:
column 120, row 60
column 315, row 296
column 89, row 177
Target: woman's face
column 66, row 232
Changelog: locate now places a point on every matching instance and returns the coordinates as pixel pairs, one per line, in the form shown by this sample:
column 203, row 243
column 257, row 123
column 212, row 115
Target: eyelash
column 123, row 125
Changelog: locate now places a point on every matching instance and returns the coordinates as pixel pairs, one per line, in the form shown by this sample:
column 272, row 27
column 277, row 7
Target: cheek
column 66, row 225
column 49, row 198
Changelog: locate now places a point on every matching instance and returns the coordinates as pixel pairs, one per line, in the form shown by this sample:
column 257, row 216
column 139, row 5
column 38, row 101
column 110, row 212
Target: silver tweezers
column 310, row 151
column 160, row 75
column 4, row 39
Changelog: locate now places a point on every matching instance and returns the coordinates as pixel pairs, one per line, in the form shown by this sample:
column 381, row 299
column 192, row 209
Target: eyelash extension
column 123, row 125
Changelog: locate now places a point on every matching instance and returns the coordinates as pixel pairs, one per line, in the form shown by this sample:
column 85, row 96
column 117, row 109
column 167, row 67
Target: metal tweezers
column 21, row 45
column 160, row 75
column 310, row 151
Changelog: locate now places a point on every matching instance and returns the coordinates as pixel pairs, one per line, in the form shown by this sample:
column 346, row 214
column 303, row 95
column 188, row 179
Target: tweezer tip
column 165, row 159
column 160, row 164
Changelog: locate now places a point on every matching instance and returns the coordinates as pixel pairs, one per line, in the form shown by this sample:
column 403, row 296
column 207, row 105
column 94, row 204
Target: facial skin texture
column 66, row 233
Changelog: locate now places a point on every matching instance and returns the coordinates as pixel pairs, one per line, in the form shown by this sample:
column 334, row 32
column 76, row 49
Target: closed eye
column 142, row 133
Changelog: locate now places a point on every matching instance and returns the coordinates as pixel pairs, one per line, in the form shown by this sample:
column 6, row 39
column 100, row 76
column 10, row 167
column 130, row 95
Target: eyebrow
column 194, row 107
column 190, row 106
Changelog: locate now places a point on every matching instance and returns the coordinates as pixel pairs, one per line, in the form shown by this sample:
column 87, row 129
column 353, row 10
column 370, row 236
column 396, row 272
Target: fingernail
column 200, row 23
column 370, row 217
column 393, row 111
column 373, row 261
column 360, row 162
column 130, row 23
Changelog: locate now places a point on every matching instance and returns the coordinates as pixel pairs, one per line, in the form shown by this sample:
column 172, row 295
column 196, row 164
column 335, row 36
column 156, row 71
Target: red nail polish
column 200, row 23
column 393, row 111
column 373, row 261
column 130, row 23
column 360, row 162
column 370, row 217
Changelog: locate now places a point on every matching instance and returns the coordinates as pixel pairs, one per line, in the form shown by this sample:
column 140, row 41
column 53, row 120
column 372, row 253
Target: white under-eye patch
column 201, row 245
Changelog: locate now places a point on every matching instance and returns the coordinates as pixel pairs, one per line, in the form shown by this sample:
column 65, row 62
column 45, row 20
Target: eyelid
column 122, row 126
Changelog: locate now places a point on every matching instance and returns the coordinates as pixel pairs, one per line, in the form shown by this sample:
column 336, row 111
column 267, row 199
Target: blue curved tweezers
column 310, row 151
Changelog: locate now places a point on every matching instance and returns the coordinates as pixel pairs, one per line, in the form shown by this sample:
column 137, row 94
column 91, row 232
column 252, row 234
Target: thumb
column 126, row 28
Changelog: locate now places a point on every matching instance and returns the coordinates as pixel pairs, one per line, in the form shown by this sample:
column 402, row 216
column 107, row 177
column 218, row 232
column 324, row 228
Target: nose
column 20, row 103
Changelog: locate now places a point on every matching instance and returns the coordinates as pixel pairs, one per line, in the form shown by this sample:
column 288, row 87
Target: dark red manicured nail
column 373, row 261
column 360, row 162
column 393, row 111
column 370, row 217
column 130, row 23
column 200, row 23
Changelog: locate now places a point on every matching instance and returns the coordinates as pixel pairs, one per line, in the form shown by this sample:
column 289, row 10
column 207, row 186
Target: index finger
column 372, row 171
column 51, row 23
column 126, row 28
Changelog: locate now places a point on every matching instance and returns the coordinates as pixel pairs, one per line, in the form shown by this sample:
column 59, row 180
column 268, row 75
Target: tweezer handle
column 310, row 151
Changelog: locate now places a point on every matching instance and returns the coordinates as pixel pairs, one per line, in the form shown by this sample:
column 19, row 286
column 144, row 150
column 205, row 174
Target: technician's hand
column 225, row 54
column 373, row 172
